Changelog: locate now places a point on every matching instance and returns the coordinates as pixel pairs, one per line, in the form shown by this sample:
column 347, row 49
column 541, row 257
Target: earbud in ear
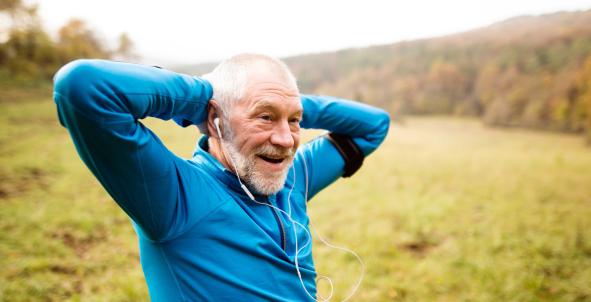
column 216, row 122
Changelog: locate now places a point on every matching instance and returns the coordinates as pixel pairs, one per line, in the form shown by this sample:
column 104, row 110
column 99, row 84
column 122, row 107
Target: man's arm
column 100, row 103
column 365, row 125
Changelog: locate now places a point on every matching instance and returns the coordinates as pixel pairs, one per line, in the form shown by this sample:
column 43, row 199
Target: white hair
column 230, row 78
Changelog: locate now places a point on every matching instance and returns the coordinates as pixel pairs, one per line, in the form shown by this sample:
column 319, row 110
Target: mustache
column 274, row 151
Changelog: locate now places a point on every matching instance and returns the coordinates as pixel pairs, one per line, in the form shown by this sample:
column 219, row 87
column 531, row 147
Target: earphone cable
column 294, row 223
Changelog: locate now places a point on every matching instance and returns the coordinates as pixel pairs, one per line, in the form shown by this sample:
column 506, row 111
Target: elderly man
column 223, row 225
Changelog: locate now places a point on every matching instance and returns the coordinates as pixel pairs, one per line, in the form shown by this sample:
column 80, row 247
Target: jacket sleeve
column 100, row 103
column 322, row 163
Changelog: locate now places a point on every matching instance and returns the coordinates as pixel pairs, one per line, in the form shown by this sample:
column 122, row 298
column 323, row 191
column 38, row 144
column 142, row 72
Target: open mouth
column 272, row 160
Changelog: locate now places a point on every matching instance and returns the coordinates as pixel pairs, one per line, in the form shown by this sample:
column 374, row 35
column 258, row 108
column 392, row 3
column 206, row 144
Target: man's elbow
column 75, row 81
column 380, row 121
column 384, row 121
column 82, row 85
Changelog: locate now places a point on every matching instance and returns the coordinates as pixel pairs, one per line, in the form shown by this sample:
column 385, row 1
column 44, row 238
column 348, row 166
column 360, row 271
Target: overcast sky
column 191, row 31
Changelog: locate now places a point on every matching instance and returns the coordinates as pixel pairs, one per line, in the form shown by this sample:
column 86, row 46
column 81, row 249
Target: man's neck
column 216, row 150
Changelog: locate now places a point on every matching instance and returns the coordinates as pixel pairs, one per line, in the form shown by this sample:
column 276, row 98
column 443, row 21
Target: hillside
column 532, row 71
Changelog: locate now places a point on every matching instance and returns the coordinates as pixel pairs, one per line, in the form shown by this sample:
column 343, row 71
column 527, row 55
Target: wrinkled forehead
column 270, row 88
column 259, row 77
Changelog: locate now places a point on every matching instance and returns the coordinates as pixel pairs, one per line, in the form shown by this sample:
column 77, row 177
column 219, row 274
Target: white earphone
column 216, row 122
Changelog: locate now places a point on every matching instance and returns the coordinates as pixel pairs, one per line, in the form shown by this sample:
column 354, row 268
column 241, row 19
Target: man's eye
column 294, row 120
column 266, row 117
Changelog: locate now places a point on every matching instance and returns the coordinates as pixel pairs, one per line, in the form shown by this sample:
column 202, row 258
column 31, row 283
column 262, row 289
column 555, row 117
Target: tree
column 125, row 51
column 10, row 5
column 76, row 40
column 17, row 15
column 27, row 50
column 30, row 53
column 583, row 97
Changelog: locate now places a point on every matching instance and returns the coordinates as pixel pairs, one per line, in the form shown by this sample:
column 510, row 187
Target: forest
column 528, row 71
column 29, row 55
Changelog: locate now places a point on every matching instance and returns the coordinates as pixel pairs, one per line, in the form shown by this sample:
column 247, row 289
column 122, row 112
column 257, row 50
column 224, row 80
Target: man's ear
column 213, row 112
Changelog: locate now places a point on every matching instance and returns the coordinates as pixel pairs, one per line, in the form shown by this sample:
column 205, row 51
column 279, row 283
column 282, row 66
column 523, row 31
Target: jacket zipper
column 280, row 223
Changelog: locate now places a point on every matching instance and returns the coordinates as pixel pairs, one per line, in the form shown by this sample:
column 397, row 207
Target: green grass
column 446, row 210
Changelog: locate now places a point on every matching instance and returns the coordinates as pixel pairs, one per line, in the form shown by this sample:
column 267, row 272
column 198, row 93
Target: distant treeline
column 526, row 71
column 28, row 53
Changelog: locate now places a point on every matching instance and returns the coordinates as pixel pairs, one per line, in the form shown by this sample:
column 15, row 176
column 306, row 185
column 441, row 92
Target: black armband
column 349, row 151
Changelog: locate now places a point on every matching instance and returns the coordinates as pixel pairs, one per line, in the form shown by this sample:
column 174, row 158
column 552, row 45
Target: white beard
column 263, row 182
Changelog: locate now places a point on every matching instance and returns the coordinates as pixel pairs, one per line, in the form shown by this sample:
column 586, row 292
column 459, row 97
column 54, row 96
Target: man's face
column 265, row 127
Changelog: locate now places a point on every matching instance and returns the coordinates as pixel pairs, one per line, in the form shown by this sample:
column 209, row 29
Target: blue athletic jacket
column 201, row 238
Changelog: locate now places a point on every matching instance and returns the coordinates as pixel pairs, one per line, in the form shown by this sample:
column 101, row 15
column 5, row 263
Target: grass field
column 446, row 210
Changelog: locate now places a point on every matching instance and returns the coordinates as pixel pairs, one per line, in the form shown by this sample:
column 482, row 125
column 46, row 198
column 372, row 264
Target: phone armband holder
column 350, row 152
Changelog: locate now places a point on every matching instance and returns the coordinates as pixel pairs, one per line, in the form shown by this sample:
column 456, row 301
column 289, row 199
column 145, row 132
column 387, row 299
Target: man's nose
column 282, row 136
